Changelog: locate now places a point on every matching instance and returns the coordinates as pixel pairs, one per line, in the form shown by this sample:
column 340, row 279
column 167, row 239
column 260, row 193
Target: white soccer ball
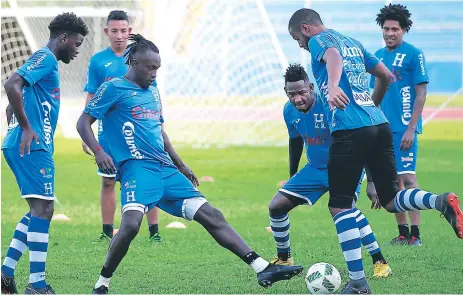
column 323, row 278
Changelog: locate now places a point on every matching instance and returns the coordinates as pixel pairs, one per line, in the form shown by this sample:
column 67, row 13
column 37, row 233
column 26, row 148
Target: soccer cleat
column 8, row 285
column 101, row 290
column 274, row 273
column 353, row 287
column 381, row 269
column 278, row 261
column 400, row 240
column 450, row 207
column 414, row 241
column 31, row 290
column 156, row 238
column 103, row 238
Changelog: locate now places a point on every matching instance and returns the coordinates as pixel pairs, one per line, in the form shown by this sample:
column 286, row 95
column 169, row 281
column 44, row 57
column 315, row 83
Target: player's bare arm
column 421, row 91
column 337, row 97
column 84, row 127
column 371, row 190
column 9, row 114
column 384, row 77
column 296, row 146
column 177, row 160
column 85, row 148
column 13, row 88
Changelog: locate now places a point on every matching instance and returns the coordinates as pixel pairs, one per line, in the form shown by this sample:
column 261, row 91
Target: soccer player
column 150, row 171
column 305, row 119
column 34, row 97
column 104, row 66
column 402, row 105
column 361, row 136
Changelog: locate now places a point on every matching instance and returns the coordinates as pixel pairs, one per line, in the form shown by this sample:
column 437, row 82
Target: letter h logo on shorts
column 48, row 188
column 130, row 196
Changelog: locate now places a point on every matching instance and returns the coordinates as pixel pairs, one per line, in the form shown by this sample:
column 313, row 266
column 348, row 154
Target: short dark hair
column 118, row 15
column 395, row 12
column 304, row 16
column 295, row 72
column 139, row 44
column 69, row 23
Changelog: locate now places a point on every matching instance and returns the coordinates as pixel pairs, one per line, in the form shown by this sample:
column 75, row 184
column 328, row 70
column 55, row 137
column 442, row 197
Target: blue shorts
column 104, row 145
column 405, row 159
column 146, row 184
column 35, row 173
column 309, row 184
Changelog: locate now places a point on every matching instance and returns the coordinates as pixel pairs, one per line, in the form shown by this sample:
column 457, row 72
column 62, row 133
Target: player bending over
column 305, row 118
column 34, row 97
column 104, row 66
column 149, row 169
column 361, row 136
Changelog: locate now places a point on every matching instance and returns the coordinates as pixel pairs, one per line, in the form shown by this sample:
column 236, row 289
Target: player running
column 34, row 97
column 361, row 136
column 305, row 119
column 402, row 105
column 149, row 170
column 104, row 66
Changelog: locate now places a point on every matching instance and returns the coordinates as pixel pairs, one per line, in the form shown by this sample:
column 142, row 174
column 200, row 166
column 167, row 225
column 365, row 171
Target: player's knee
column 390, row 207
column 274, row 208
column 409, row 181
column 130, row 229
column 43, row 209
column 107, row 183
column 210, row 217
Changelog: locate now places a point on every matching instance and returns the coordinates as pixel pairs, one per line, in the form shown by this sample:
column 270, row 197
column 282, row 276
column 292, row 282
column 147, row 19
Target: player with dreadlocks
column 307, row 126
column 403, row 105
column 34, row 96
column 148, row 167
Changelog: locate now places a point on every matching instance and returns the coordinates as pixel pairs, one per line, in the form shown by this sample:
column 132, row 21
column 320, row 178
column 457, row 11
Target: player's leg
column 182, row 199
column 108, row 205
column 383, row 169
column 18, row 244
column 305, row 187
column 347, row 155
column 138, row 196
column 153, row 220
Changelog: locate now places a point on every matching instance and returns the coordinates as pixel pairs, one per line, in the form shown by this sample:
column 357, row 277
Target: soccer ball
column 323, row 278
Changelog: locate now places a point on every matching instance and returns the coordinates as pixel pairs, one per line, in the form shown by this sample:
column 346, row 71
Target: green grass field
column 189, row 261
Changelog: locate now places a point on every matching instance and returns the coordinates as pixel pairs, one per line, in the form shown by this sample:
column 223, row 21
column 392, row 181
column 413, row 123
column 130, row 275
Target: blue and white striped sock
column 349, row 238
column 414, row 199
column 17, row 247
column 37, row 240
column 280, row 228
column 366, row 234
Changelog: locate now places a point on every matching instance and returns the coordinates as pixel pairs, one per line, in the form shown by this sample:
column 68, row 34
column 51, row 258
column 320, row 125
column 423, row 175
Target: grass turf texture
column 189, row 261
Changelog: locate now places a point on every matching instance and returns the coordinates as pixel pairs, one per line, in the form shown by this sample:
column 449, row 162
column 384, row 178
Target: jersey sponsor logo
column 360, row 80
column 316, row 140
column 407, row 159
column 97, row 98
column 349, row 66
column 363, row 98
column 108, row 78
column 144, row 113
column 56, row 93
column 351, row 51
column 421, row 58
column 46, row 172
column 128, row 129
column 399, row 59
column 47, row 129
column 406, row 105
column 37, row 62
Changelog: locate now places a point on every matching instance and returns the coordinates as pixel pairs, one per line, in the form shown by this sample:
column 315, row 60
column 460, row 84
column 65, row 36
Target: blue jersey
column 41, row 101
column 133, row 118
column 408, row 65
column 361, row 111
column 314, row 130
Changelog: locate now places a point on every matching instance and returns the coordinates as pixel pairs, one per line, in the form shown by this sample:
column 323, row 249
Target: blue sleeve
column 419, row 72
column 289, row 120
column 370, row 60
column 93, row 77
column 319, row 44
column 39, row 65
column 104, row 98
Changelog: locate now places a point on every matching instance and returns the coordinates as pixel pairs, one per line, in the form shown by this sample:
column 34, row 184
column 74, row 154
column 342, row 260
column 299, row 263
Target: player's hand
column 104, row 162
column 407, row 139
column 28, row 135
column 86, row 149
column 373, row 196
column 337, row 98
column 189, row 174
